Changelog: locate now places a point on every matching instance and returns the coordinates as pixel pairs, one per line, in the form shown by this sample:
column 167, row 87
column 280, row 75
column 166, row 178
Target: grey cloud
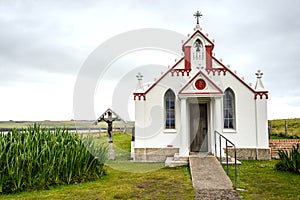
column 33, row 34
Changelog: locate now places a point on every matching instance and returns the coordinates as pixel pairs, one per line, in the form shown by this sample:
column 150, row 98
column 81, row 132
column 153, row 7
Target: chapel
column 195, row 99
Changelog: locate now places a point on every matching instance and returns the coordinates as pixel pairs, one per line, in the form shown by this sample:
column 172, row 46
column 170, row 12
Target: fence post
column 286, row 128
column 270, row 129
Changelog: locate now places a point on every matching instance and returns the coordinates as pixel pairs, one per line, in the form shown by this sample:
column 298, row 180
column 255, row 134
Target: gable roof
column 211, row 87
column 223, row 69
column 204, row 36
column 158, row 80
column 234, row 74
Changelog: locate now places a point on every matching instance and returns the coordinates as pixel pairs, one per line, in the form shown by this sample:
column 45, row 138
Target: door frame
column 209, row 110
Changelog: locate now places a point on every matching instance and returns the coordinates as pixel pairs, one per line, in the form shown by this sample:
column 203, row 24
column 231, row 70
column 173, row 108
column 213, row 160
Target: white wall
column 251, row 114
column 150, row 127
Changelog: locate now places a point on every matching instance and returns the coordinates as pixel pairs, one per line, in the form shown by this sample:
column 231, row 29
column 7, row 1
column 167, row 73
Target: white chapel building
column 198, row 96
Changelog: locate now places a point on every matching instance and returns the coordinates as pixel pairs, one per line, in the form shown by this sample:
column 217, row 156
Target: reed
column 37, row 157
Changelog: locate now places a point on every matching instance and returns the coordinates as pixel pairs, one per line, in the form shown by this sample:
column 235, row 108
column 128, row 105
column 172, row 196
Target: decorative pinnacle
column 139, row 77
column 259, row 85
column 198, row 15
column 259, row 74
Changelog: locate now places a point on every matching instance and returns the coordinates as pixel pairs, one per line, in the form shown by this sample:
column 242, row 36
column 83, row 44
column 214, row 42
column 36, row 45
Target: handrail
column 220, row 158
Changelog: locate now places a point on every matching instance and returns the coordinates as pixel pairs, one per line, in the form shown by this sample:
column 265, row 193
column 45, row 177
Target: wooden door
column 198, row 128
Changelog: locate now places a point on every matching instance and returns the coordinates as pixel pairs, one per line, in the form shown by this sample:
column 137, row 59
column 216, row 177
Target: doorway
column 198, row 128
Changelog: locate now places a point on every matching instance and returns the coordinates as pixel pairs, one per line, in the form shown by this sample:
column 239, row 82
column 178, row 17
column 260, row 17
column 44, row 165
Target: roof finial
column 259, row 74
column 259, row 85
column 139, row 77
column 198, row 15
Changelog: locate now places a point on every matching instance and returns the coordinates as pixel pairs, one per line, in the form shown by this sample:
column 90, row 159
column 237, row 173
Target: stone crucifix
column 109, row 119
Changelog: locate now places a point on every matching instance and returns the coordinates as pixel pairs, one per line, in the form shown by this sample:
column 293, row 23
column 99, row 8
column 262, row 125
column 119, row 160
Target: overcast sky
column 43, row 45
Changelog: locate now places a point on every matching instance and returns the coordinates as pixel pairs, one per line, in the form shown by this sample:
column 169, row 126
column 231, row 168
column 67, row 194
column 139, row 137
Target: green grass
column 278, row 128
column 131, row 180
column 123, row 180
column 261, row 180
column 123, row 160
column 166, row 183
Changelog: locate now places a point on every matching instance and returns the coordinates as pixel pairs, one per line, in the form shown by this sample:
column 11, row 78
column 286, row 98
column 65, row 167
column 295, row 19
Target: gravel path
column 210, row 180
column 217, row 194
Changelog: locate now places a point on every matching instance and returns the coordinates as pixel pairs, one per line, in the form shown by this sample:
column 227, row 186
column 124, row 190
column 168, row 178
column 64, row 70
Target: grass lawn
column 131, row 180
column 123, row 180
column 166, row 183
column 261, row 180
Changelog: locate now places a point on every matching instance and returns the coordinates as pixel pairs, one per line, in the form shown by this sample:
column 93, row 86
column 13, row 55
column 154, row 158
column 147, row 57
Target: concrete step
column 230, row 161
column 170, row 162
column 200, row 154
column 180, row 158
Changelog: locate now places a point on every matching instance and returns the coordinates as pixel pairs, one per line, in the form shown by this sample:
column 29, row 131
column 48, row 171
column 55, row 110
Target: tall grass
column 36, row 157
column 289, row 161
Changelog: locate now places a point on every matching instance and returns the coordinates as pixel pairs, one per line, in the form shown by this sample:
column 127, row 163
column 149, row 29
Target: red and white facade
column 199, row 83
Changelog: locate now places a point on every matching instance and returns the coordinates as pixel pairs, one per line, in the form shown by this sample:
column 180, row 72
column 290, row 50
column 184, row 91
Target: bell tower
column 198, row 49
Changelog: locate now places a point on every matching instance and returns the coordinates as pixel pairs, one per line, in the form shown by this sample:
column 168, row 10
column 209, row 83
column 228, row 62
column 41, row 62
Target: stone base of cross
column 111, row 151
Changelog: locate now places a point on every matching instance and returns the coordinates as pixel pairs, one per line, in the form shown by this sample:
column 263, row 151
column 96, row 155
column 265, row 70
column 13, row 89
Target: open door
column 198, row 128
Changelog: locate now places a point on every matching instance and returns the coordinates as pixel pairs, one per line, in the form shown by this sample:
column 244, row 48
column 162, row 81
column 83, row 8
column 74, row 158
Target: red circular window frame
column 200, row 84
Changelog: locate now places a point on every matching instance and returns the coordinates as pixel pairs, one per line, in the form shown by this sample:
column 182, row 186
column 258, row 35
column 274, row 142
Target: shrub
column 289, row 161
column 36, row 157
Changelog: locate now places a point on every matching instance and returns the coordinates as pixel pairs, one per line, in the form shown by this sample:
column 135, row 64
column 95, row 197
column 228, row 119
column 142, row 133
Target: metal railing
column 220, row 137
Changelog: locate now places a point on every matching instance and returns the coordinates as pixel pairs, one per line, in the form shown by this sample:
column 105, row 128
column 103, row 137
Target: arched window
column 170, row 109
column 198, row 50
column 229, row 109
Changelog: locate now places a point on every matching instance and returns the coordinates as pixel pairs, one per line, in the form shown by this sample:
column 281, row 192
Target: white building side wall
column 245, row 125
column 262, row 122
column 152, row 132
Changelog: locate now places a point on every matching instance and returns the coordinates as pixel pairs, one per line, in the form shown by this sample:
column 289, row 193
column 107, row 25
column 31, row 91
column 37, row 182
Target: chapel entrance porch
column 200, row 117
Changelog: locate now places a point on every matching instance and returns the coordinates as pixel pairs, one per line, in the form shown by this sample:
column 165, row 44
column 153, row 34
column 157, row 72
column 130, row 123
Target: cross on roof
column 139, row 76
column 198, row 15
column 259, row 74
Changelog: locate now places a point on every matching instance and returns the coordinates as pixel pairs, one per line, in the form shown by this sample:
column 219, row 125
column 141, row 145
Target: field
column 278, row 127
column 83, row 124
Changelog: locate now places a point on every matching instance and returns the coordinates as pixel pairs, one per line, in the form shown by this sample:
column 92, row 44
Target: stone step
column 230, row 161
column 180, row 158
column 170, row 162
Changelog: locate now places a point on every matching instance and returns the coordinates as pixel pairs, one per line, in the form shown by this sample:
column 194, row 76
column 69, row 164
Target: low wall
column 276, row 144
column 250, row 153
column 154, row 154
